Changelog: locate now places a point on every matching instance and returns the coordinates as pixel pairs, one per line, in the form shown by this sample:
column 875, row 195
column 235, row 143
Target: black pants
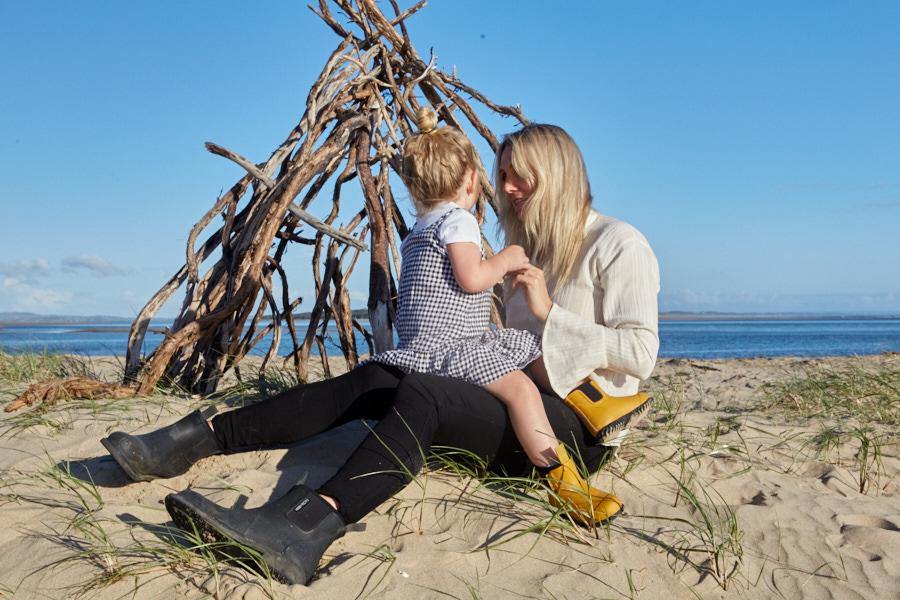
column 414, row 413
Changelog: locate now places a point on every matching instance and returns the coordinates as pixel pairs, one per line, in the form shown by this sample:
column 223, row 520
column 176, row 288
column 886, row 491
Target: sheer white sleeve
column 627, row 341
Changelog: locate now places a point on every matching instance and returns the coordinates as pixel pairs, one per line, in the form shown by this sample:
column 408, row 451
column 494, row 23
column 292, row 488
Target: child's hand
column 516, row 259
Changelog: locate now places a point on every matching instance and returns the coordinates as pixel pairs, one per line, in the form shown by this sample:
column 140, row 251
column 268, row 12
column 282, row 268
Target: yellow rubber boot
column 573, row 493
column 605, row 415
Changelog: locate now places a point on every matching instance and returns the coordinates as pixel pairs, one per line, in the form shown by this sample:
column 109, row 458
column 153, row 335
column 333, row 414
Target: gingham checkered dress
column 445, row 330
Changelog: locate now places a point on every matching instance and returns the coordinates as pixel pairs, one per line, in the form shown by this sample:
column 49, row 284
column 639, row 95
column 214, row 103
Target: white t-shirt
column 460, row 226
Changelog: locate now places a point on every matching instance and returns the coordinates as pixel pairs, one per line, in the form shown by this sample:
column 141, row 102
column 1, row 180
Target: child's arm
column 476, row 275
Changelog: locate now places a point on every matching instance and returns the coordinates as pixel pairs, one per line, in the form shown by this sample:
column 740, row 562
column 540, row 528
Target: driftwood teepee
column 358, row 110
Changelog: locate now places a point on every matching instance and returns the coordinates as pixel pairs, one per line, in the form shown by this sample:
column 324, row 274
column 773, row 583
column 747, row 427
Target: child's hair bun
column 426, row 120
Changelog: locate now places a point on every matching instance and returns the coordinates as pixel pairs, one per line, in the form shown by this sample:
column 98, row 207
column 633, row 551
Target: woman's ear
column 473, row 181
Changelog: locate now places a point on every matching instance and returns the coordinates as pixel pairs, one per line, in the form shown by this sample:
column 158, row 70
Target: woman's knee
column 417, row 390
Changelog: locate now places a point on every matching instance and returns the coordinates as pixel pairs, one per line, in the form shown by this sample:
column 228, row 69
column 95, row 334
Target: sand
column 724, row 499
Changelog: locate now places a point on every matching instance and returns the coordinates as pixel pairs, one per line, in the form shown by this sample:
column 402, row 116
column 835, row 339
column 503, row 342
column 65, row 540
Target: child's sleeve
column 459, row 226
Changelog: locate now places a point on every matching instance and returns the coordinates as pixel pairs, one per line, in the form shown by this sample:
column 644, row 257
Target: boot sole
column 230, row 545
column 609, row 520
column 123, row 462
column 586, row 525
column 605, row 521
column 626, row 420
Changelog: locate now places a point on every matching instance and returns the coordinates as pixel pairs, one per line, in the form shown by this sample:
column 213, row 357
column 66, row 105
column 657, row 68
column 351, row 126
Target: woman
column 592, row 297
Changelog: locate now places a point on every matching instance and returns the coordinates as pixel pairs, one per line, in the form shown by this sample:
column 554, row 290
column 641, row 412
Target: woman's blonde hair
column 551, row 228
column 434, row 162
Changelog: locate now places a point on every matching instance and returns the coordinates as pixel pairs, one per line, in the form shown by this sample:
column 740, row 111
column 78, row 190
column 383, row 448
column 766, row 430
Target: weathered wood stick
column 326, row 229
column 407, row 13
column 248, row 166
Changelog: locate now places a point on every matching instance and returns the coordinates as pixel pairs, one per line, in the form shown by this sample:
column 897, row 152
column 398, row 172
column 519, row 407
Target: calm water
column 684, row 339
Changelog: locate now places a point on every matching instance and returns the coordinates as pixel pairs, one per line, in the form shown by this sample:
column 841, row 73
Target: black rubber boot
column 289, row 535
column 166, row 452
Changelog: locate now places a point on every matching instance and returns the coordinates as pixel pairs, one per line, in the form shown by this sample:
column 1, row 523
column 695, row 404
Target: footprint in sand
column 759, row 499
column 851, row 521
column 875, row 538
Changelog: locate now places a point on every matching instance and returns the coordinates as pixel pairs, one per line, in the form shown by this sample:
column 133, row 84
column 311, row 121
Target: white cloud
column 26, row 270
column 95, row 265
column 687, row 299
column 741, row 301
column 20, row 295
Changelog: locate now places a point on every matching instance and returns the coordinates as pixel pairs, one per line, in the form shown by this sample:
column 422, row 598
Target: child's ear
column 473, row 181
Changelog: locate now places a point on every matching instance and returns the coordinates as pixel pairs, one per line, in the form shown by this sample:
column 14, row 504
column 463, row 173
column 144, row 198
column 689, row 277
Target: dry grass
column 17, row 369
column 863, row 394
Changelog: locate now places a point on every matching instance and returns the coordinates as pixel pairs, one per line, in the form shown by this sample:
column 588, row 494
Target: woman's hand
column 531, row 280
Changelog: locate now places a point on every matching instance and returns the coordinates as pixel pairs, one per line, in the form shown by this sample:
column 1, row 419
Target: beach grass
column 865, row 394
column 714, row 531
column 18, row 369
column 669, row 399
column 857, row 409
column 123, row 548
column 842, row 413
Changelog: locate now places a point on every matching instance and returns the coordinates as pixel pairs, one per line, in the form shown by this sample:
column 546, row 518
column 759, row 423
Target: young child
column 444, row 308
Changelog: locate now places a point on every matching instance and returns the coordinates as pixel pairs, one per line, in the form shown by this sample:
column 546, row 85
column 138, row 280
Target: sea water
column 682, row 339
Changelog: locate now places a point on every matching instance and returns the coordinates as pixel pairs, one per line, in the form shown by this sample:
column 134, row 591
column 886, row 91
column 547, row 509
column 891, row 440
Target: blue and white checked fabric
column 445, row 330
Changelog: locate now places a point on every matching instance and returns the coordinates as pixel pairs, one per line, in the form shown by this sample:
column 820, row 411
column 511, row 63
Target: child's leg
column 526, row 412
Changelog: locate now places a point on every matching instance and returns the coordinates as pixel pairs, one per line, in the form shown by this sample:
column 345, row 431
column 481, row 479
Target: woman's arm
column 626, row 341
column 476, row 275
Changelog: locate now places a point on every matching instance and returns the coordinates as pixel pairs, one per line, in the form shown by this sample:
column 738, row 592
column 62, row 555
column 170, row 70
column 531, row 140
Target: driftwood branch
column 326, row 229
column 357, row 112
column 248, row 166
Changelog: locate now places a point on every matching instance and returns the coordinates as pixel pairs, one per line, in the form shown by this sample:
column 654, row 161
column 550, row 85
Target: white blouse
column 604, row 320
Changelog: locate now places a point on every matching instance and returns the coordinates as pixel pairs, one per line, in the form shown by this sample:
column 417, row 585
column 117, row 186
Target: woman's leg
column 305, row 410
column 430, row 410
column 526, row 413
column 291, row 533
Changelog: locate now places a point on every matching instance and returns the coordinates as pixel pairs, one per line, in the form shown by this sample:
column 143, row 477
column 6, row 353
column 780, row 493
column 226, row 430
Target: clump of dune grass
column 869, row 458
column 24, row 368
column 243, row 390
column 123, row 548
column 384, row 558
column 668, row 401
column 868, row 394
column 714, row 532
column 710, row 539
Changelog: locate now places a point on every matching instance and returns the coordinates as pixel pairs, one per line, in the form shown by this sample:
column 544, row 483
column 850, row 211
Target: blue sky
column 756, row 145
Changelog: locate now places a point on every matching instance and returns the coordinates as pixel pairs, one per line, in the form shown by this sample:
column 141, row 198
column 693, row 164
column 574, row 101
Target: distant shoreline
column 679, row 316
column 100, row 325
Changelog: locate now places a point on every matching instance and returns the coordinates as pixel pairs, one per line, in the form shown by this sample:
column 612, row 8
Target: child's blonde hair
column 551, row 227
column 434, row 162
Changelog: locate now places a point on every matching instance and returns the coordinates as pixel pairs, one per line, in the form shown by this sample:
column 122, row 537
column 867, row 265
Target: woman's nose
column 509, row 188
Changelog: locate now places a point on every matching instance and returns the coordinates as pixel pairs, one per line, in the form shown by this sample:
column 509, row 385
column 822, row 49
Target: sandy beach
column 751, row 478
